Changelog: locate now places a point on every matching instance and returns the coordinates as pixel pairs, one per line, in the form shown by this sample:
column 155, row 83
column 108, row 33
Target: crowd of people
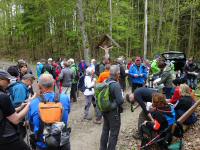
column 45, row 110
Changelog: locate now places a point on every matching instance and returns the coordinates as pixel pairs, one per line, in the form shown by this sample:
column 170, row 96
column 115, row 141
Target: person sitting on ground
column 10, row 118
column 105, row 74
column 185, row 102
column 138, row 74
column 46, row 87
column 164, row 117
column 177, row 91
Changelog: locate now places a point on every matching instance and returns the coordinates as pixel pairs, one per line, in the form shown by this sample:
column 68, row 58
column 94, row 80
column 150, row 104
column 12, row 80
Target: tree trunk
column 160, row 22
column 83, row 32
column 173, row 22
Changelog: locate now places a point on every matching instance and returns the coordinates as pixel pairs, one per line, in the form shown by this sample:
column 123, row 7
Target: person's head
column 89, row 71
column 115, row 72
column 185, row 90
column 190, row 60
column 66, row 63
column 107, row 67
column 138, row 61
column 23, row 68
column 161, row 64
column 5, row 78
column 43, row 61
column 120, row 60
column 93, row 61
column 28, row 79
column 106, row 60
column 13, row 71
column 46, row 83
column 71, row 60
column 50, row 61
column 158, row 100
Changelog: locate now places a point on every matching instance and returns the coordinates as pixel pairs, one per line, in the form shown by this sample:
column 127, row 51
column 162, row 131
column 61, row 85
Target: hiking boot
column 87, row 118
column 96, row 121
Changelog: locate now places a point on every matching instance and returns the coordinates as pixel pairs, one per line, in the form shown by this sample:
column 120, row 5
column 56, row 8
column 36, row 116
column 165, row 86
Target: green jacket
column 74, row 69
column 154, row 67
column 167, row 77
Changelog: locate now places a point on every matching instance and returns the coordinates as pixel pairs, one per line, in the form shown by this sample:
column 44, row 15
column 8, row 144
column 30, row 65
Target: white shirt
column 89, row 83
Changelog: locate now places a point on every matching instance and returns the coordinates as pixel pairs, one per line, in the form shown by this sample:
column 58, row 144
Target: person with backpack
column 75, row 79
column 48, row 117
column 112, row 119
column 10, row 118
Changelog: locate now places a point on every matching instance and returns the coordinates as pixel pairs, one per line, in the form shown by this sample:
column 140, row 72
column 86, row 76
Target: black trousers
column 135, row 86
column 73, row 92
column 110, row 131
column 16, row 145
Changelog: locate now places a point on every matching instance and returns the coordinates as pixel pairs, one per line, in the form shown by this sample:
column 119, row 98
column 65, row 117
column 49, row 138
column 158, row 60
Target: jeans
column 192, row 82
column 88, row 101
column 110, row 130
column 97, row 111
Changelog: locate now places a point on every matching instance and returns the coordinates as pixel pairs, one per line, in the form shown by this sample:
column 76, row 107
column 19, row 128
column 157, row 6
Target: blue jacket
column 34, row 117
column 39, row 68
column 134, row 70
column 19, row 92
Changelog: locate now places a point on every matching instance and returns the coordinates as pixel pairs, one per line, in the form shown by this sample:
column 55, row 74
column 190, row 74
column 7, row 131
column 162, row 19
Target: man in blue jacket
column 46, row 86
column 138, row 74
column 19, row 92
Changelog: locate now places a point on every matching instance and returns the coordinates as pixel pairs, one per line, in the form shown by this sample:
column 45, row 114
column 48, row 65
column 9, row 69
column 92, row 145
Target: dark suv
column 178, row 59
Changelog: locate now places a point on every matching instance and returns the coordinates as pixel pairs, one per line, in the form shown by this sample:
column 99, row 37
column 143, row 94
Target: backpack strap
column 57, row 97
column 42, row 99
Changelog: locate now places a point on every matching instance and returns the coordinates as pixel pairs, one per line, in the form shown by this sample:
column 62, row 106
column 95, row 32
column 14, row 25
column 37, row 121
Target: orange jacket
column 103, row 76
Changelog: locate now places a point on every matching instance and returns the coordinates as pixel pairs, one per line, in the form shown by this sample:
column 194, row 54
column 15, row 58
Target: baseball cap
column 5, row 75
column 28, row 76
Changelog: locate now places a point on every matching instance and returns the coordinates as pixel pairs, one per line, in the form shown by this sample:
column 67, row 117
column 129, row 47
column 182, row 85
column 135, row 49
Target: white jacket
column 89, row 85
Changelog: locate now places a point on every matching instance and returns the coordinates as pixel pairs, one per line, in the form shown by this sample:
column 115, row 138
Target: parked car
column 178, row 59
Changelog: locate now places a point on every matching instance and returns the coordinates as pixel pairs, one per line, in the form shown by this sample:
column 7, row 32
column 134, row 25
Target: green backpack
column 102, row 94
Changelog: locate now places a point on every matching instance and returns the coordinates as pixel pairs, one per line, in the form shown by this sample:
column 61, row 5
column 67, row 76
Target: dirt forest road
column 85, row 135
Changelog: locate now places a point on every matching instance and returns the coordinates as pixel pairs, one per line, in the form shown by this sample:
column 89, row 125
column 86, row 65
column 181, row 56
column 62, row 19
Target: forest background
column 37, row 29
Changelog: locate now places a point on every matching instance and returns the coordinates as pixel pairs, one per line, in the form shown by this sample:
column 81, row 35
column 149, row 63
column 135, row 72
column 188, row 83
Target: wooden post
column 189, row 112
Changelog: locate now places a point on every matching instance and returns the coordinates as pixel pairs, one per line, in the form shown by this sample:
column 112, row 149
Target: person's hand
column 144, row 123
